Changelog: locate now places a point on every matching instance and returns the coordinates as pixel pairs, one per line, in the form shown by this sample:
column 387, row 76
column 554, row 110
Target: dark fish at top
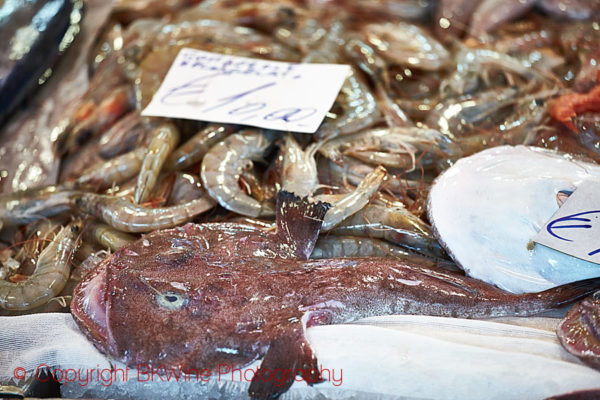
column 33, row 33
column 579, row 331
column 168, row 299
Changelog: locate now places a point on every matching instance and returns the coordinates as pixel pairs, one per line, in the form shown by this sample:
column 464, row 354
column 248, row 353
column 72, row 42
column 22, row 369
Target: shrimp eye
column 596, row 295
column 171, row 300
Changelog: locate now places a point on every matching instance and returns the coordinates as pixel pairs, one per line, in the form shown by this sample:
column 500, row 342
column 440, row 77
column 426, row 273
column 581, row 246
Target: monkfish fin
column 287, row 357
column 298, row 223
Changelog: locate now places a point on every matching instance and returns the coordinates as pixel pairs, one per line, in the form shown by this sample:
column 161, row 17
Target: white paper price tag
column 575, row 228
column 268, row 94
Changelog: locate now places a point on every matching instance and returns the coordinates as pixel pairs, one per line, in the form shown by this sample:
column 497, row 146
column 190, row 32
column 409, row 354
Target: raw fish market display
column 300, row 199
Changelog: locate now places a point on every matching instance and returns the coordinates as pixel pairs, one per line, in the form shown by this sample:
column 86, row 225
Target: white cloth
column 378, row 358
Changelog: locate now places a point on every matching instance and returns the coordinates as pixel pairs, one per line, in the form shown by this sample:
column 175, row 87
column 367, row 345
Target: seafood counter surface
column 409, row 357
column 396, row 245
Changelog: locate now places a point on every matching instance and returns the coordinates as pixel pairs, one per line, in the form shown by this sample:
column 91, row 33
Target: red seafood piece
column 579, row 331
column 568, row 106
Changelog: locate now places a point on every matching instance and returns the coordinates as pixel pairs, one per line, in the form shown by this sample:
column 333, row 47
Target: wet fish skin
column 236, row 311
column 579, row 331
column 579, row 395
column 31, row 35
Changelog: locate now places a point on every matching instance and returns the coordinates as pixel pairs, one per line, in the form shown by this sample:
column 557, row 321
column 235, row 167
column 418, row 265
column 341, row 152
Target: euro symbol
column 584, row 223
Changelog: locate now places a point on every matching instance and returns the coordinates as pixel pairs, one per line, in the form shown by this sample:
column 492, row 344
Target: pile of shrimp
column 430, row 82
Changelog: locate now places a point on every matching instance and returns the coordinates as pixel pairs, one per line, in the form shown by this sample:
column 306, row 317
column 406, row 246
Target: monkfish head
column 170, row 309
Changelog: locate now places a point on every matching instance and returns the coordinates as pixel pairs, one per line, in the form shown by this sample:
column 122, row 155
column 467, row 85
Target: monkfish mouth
column 89, row 307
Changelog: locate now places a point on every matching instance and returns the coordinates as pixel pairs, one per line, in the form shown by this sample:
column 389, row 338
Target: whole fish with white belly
column 507, row 194
column 175, row 299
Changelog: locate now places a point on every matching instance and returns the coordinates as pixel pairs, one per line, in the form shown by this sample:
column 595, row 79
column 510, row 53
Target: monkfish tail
column 565, row 294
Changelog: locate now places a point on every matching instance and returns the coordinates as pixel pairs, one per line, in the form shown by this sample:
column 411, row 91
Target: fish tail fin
column 566, row 294
column 299, row 221
column 286, row 358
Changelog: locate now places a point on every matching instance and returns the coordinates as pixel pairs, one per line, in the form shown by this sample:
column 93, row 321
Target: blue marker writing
column 573, row 218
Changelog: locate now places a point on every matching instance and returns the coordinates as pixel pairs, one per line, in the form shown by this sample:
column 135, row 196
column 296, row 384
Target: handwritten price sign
column 575, row 228
column 268, row 94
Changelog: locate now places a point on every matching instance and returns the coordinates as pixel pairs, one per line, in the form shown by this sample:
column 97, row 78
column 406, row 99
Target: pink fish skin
column 579, row 331
column 199, row 296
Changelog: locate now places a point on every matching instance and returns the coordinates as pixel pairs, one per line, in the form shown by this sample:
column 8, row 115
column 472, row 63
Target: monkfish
column 168, row 299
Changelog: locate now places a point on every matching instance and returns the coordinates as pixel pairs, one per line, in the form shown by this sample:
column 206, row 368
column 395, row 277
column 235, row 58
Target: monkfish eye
column 171, row 300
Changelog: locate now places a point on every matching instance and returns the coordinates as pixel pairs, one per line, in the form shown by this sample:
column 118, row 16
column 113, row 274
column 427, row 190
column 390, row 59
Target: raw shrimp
column 332, row 246
column 50, row 276
column 473, row 63
column 33, row 204
column 393, row 223
column 407, row 44
column 403, row 9
column 354, row 201
column 455, row 116
column 299, row 176
column 192, row 151
column 107, row 236
column 128, row 217
column 122, row 136
column 492, row 13
column 164, row 139
column 222, row 166
column 394, row 147
column 354, row 109
column 376, row 68
column 581, row 41
column 353, row 172
column 95, row 119
column 113, row 172
column 255, row 186
column 264, row 16
column 298, row 168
